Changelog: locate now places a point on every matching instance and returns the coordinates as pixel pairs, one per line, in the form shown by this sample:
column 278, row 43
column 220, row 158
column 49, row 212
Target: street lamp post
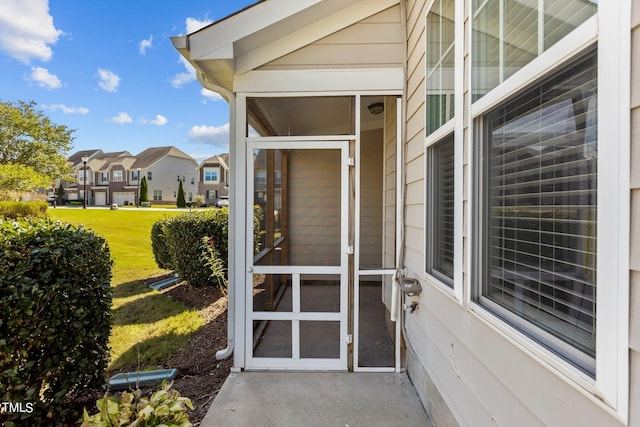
column 84, row 176
column 138, row 194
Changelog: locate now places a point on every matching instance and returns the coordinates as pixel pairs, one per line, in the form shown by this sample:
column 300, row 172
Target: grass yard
column 148, row 326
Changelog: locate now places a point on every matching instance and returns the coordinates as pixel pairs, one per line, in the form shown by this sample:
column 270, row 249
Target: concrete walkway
column 316, row 399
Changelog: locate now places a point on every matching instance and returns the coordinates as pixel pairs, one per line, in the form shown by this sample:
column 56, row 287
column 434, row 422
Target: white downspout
column 231, row 292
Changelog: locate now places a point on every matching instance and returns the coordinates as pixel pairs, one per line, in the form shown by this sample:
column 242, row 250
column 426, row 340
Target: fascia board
column 214, row 41
column 349, row 80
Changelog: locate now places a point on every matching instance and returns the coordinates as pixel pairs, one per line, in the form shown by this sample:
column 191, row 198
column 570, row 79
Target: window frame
column 432, row 195
column 612, row 40
column 456, row 288
column 215, row 170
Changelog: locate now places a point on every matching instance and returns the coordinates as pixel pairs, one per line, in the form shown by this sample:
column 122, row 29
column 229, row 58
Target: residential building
column 116, row 177
column 447, row 187
column 213, row 178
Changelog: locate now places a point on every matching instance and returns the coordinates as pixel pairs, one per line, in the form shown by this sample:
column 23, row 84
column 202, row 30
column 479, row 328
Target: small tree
column 60, row 192
column 181, row 203
column 144, row 191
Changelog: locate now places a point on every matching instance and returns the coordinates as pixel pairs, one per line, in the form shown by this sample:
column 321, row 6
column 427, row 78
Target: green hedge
column 15, row 210
column 159, row 243
column 55, row 322
column 184, row 242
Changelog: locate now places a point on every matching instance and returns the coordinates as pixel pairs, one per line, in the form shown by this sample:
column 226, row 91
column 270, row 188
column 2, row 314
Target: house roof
column 76, row 158
column 152, row 155
column 222, row 159
column 266, row 31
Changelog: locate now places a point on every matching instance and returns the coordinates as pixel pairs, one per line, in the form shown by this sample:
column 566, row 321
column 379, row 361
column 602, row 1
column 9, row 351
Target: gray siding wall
column 465, row 370
column 634, row 306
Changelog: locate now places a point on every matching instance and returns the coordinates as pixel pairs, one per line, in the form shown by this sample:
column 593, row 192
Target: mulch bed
column 200, row 375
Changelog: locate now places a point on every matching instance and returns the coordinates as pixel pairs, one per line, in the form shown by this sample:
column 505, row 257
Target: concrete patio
column 316, row 399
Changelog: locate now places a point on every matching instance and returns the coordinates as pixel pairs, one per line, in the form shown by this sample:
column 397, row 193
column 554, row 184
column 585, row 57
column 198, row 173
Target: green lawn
column 148, row 326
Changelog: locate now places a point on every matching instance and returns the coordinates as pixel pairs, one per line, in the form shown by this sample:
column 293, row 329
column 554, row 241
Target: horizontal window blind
column 442, row 209
column 540, row 207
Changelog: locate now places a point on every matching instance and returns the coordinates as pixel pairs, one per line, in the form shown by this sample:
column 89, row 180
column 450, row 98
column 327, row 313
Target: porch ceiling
column 267, row 31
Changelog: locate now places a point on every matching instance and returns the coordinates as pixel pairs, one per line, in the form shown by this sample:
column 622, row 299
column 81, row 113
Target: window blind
column 442, row 206
column 539, row 195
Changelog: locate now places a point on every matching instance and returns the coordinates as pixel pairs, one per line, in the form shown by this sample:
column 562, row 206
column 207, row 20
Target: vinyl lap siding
column 634, row 306
column 375, row 42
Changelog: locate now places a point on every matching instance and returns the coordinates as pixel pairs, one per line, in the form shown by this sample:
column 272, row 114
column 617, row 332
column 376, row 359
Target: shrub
column 13, row 210
column 55, row 305
column 183, row 236
column 159, row 243
column 181, row 202
column 164, row 407
column 144, row 191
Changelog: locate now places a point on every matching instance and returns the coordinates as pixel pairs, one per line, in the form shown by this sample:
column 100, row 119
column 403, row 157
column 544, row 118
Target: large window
column 538, row 198
column 440, row 64
column 117, row 176
column 440, row 210
column 211, row 175
column 508, row 34
column 157, row 195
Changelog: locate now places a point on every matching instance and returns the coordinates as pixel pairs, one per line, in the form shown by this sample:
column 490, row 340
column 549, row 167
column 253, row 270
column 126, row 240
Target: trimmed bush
column 159, row 243
column 55, row 316
column 13, row 210
column 184, row 241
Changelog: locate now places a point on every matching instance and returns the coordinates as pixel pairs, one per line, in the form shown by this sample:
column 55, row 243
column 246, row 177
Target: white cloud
column 122, row 118
column 27, row 30
column 211, row 95
column 160, row 120
column 109, row 80
column 194, row 24
column 184, row 78
column 68, row 110
column 188, row 76
column 44, row 78
column 212, row 135
column 144, row 45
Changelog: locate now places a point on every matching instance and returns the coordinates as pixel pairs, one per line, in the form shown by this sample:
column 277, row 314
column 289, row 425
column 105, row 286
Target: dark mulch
column 200, row 375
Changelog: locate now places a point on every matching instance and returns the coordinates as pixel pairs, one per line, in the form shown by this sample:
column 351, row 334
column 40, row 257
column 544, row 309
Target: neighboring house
column 164, row 167
column 483, row 149
column 115, row 177
column 213, row 178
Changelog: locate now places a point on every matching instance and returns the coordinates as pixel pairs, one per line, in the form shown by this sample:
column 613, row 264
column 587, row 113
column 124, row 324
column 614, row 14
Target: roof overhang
column 268, row 30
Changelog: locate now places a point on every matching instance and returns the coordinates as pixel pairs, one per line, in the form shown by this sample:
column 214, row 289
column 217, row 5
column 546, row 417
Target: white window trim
column 453, row 126
column 610, row 387
column 211, row 169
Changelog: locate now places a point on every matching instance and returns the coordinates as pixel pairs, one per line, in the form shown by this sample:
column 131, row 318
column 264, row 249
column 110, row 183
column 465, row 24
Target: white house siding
column 370, row 201
column 373, row 42
column 466, row 371
column 165, row 178
column 314, row 207
column 634, row 327
column 390, row 178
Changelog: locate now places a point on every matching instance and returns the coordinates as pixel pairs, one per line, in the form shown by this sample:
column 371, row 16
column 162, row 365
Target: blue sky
column 107, row 69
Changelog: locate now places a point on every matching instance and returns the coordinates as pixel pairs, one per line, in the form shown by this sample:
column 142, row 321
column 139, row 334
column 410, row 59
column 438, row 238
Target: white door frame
column 296, row 362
